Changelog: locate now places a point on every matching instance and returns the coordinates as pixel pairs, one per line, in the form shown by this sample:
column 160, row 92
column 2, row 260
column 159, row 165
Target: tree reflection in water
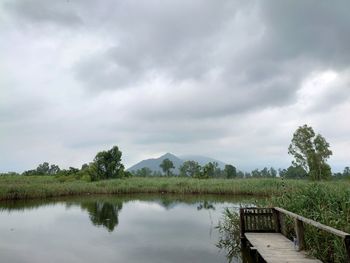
column 205, row 205
column 103, row 213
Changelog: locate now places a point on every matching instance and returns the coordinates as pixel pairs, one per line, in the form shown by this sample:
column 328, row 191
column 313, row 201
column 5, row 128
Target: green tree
column 54, row 169
column 311, row 151
column 256, row 173
column 240, row 174
column 272, row 172
column 166, row 166
column 108, row 164
column 293, row 172
column 43, row 168
column 208, row 170
column 346, row 171
column 144, row 172
column 190, row 169
column 230, row 171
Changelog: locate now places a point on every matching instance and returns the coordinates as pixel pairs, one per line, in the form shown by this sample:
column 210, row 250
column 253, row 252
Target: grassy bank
column 325, row 203
column 29, row 187
column 19, row 187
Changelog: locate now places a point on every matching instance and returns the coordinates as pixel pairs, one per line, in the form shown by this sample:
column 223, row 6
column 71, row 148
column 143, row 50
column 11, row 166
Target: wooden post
column 281, row 220
column 299, row 231
column 254, row 254
column 276, row 217
column 347, row 245
column 241, row 221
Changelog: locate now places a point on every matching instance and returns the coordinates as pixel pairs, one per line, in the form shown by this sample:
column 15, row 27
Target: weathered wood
column 274, row 247
column 313, row 223
column 347, row 245
column 281, row 219
column 299, row 231
column 276, row 216
column 257, row 220
column 242, row 222
column 262, row 221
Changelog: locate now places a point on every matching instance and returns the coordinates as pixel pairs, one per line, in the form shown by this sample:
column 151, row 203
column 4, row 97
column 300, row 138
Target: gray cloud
column 36, row 12
column 229, row 79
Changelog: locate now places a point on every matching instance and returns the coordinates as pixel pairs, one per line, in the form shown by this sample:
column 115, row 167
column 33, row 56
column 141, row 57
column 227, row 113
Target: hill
column 154, row 163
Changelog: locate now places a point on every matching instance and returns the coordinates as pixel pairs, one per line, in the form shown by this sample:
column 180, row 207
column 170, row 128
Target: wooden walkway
column 276, row 248
column 264, row 231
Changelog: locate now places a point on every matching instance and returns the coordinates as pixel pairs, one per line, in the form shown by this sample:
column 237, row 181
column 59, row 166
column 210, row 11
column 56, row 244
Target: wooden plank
column 314, row 223
column 274, row 247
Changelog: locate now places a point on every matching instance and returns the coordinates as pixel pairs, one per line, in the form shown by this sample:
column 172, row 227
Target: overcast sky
column 221, row 78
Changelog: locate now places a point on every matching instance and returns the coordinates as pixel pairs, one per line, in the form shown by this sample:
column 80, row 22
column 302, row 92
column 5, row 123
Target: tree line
column 310, row 151
column 106, row 165
column 211, row 170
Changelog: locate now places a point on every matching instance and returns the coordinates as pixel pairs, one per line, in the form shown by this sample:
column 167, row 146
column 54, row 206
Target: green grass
column 19, row 187
column 327, row 203
column 29, row 187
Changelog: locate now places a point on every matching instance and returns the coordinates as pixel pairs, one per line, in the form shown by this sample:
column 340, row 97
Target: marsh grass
column 20, row 187
column 327, row 203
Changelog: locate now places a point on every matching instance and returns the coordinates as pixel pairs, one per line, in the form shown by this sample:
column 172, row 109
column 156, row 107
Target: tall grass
column 327, row 203
column 324, row 202
column 20, row 187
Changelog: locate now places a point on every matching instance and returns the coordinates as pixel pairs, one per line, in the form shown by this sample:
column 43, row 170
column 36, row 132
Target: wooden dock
column 262, row 229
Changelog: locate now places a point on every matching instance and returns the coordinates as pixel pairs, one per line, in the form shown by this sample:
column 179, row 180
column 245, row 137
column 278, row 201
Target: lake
column 105, row 229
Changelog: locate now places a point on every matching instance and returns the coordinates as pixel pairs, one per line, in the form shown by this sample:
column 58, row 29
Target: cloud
column 227, row 79
column 38, row 12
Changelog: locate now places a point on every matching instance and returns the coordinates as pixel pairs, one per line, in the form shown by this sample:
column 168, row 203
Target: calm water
column 114, row 229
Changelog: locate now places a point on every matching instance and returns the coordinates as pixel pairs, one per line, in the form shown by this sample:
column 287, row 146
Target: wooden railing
column 272, row 220
column 258, row 220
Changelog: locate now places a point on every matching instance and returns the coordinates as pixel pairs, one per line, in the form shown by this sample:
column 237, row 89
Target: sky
column 227, row 79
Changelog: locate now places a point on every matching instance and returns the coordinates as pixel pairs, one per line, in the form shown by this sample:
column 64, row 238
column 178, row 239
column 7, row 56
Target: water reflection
column 205, row 205
column 128, row 229
column 103, row 213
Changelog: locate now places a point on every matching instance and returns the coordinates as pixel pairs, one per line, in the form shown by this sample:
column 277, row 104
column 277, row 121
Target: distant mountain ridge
column 154, row 163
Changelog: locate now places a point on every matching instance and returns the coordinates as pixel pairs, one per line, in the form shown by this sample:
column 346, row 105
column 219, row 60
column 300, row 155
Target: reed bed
column 20, row 187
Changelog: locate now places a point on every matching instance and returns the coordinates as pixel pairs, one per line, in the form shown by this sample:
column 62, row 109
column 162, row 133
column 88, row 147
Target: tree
column 43, row 168
column 54, row 169
column 346, row 171
column 108, row 164
column 190, row 169
column 311, row 151
column 293, row 172
column 144, row 172
column 272, row 172
column 166, row 165
column 256, row 173
column 230, row 171
column 208, row 170
column 240, row 174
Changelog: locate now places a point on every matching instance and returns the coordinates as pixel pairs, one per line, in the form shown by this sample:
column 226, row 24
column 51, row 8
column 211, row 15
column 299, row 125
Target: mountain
column 154, row 163
column 202, row 160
